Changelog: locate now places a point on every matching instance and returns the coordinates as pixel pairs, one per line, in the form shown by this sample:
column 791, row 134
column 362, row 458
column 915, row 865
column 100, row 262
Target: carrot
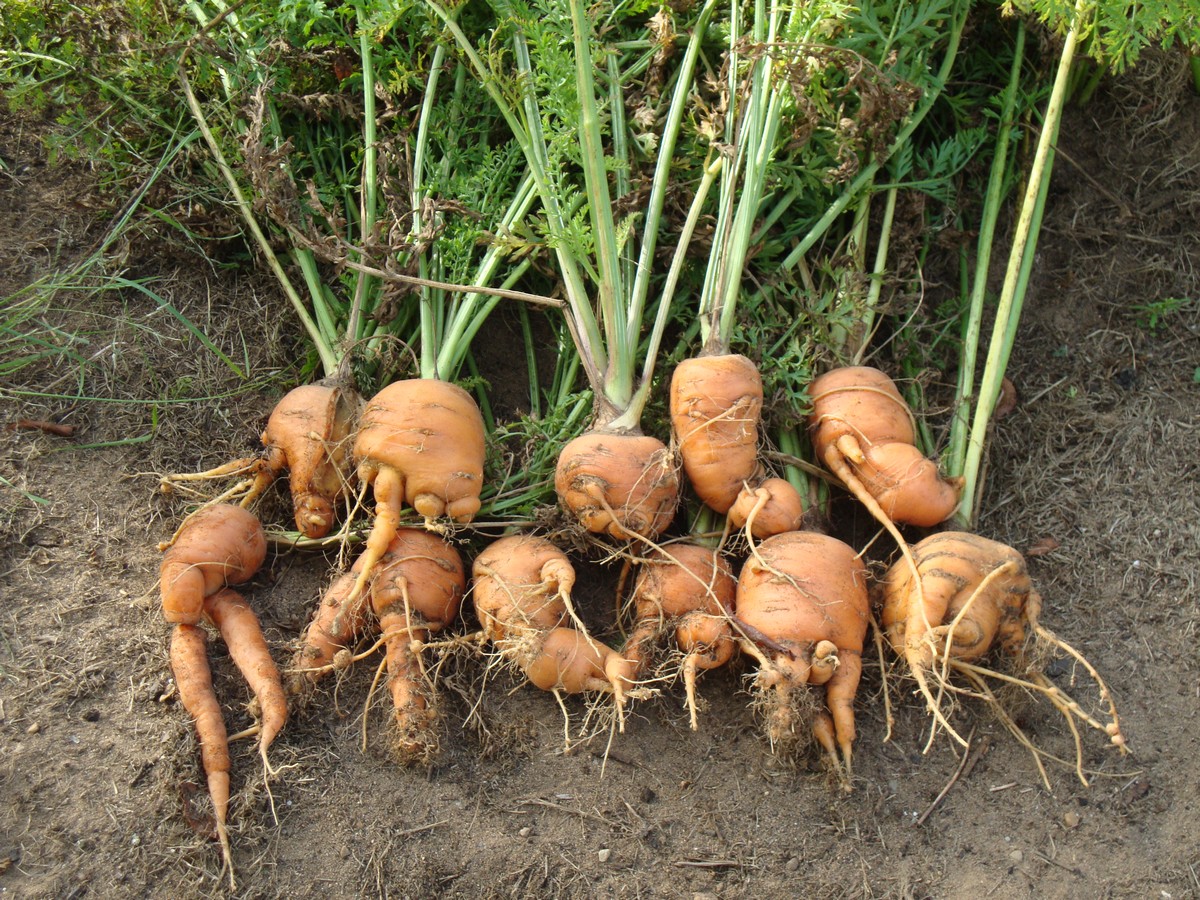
column 976, row 595
column 242, row 634
column 567, row 660
column 333, row 627
column 416, row 592
column 688, row 588
column 218, row 546
column 716, row 403
column 521, row 583
column 864, row 433
column 189, row 663
column 421, row 442
column 773, row 507
column 309, row 434
column 804, row 598
column 619, row 482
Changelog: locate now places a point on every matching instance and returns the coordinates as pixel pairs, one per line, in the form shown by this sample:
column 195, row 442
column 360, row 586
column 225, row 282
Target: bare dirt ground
column 99, row 774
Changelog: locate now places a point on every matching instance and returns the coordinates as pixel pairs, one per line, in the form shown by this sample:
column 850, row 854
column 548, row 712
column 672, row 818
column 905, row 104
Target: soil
column 1091, row 474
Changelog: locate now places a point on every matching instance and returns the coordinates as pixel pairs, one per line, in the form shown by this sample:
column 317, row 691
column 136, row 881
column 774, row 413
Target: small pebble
column 1016, row 856
column 604, row 855
column 525, row 832
column 33, row 729
column 792, row 864
column 135, row 841
column 1071, row 819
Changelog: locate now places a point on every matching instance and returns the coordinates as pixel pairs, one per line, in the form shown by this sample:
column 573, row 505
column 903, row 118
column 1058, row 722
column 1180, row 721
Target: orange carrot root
column 861, row 424
column 248, row 648
column 333, row 629
column 420, row 442
column 620, row 483
column 690, row 589
column 976, row 595
column 806, row 593
column 522, row 583
column 309, row 434
column 774, row 507
column 416, row 592
column 219, row 546
column 193, row 678
column 716, row 403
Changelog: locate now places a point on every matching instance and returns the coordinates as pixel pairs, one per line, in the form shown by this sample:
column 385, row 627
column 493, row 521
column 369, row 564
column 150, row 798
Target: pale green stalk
column 668, row 291
column 1009, row 306
column 368, row 195
column 666, row 152
column 964, row 394
column 618, row 378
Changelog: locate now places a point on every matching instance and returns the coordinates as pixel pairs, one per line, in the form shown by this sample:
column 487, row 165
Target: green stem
column 618, row 378
column 880, row 267
column 1009, row 307
column 964, row 393
column 369, row 191
column 668, row 292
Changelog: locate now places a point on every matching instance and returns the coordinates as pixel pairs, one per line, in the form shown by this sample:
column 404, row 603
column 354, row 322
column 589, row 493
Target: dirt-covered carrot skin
column 309, row 433
column 520, row 584
column 218, row 546
column 240, row 630
column 716, row 404
column 863, row 431
column 333, row 629
column 772, row 507
column 620, row 483
column 806, row 595
column 193, row 679
column 689, row 589
column 416, row 592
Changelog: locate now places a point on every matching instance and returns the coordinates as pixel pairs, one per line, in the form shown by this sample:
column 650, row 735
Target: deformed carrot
column 415, row 593
column 218, row 546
